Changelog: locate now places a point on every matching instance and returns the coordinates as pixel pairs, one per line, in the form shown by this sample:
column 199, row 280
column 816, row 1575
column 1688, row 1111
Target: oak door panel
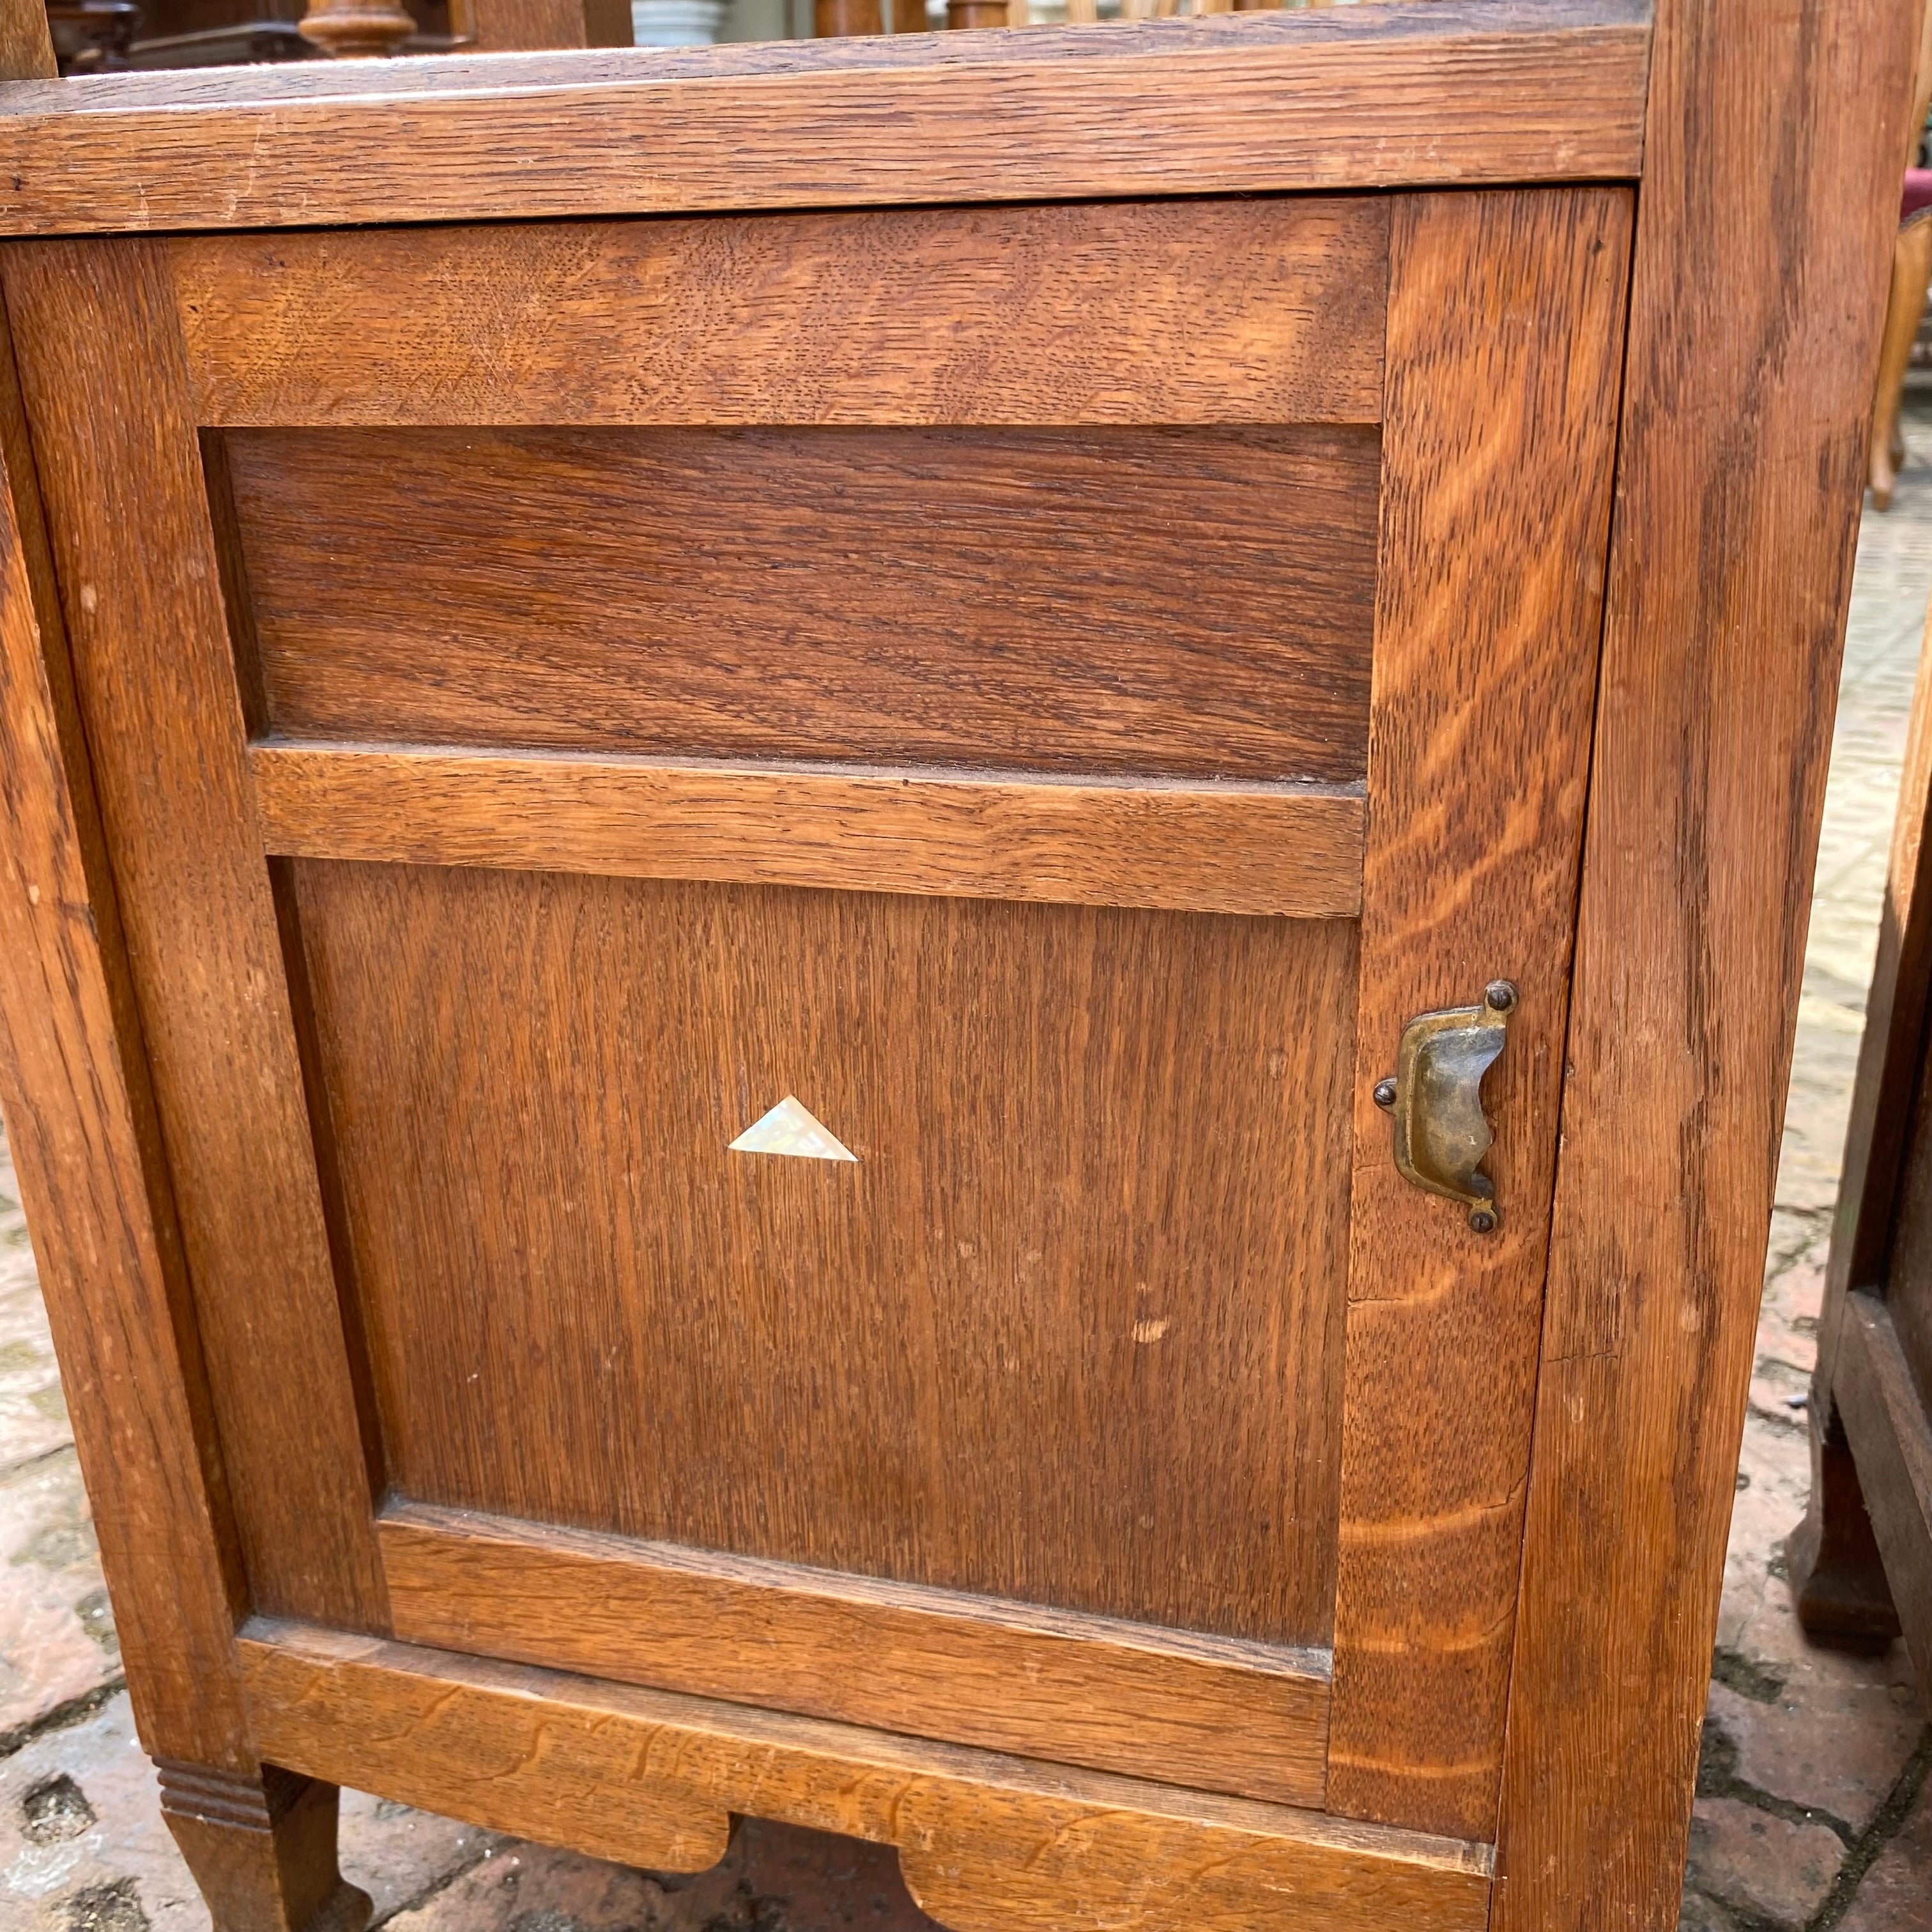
column 1065, row 1332
column 1186, row 603
column 515, row 714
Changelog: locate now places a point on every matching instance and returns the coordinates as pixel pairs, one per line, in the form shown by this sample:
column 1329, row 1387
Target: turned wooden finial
column 346, row 28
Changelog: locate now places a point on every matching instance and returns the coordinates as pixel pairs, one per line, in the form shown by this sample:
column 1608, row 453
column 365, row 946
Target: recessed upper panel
column 1186, row 602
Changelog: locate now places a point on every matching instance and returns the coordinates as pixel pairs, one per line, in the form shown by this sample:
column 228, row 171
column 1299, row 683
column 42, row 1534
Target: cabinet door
column 772, row 864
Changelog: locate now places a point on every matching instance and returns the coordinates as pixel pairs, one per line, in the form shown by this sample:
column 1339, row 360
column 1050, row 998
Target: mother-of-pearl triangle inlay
column 790, row 1129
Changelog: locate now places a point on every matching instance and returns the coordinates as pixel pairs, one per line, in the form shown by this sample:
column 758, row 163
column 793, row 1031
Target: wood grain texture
column 1297, row 853
column 26, row 41
column 520, row 26
column 1505, row 328
column 988, row 1844
column 1888, row 1416
column 1880, row 1233
column 120, row 466
column 1904, row 1272
column 1066, row 1333
column 1222, row 1715
column 1461, row 91
column 261, row 1847
column 1216, row 311
column 1891, row 1059
column 1730, row 561
column 1178, row 603
column 75, row 1089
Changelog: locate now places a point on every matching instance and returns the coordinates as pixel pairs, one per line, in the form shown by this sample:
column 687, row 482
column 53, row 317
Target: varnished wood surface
column 26, row 42
column 75, row 1091
column 517, row 26
column 1755, row 317
column 1880, row 1236
column 1888, row 1416
column 1891, row 1059
column 1066, row 1332
column 1888, row 1419
column 1217, row 1714
column 1905, row 1284
column 1224, row 848
column 1754, row 324
column 1463, row 90
column 261, row 1847
column 1505, row 347
column 120, row 467
column 1872, row 1395
column 1137, row 314
column 1178, row 604
column 988, row 1844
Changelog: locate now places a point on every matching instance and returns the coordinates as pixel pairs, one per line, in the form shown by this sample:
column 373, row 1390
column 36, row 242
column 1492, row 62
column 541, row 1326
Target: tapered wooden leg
column 262, row 1849
column 1838, row 1578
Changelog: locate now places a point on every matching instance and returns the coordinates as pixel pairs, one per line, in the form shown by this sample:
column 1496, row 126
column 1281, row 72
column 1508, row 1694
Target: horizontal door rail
column 1220, row 1714
column 1462, row 92
column 1291, row 850
column 650, row 1778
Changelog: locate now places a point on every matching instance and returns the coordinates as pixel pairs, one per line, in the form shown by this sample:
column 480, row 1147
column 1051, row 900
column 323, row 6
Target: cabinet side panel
column 1770, row 190
column 119, row 459
column 74, row 1088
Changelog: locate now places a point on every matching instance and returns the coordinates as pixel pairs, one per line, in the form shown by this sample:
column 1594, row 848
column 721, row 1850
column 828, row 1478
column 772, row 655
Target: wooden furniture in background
column 1905, row 300
column 105, row 36
column 1905, row 305
column 1860, row 1563
column 482, row 728
column 363, row 28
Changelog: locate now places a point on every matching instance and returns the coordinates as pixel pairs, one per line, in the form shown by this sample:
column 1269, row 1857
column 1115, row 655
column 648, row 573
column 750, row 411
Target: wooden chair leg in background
column 1911, row 271
column 354, row 29
column 836, row 19
column 1838, row 1577
column 262, row 1849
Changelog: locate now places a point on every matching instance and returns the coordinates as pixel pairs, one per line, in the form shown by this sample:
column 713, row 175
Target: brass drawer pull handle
column 1441, row 1133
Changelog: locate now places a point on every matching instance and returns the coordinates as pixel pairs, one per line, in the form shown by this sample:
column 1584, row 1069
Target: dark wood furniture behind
column 1141, row 619
column 1861, row 1562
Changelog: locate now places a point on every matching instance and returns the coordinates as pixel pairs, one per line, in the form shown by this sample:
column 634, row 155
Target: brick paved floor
column 1814, row 1812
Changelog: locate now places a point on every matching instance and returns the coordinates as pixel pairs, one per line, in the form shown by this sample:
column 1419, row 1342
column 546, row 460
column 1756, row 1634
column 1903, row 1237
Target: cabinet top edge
column 1439, row 25
column 1415, row 93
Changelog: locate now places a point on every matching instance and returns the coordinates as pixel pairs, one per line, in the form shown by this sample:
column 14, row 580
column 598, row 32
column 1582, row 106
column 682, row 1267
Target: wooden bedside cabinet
column 902, row 933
